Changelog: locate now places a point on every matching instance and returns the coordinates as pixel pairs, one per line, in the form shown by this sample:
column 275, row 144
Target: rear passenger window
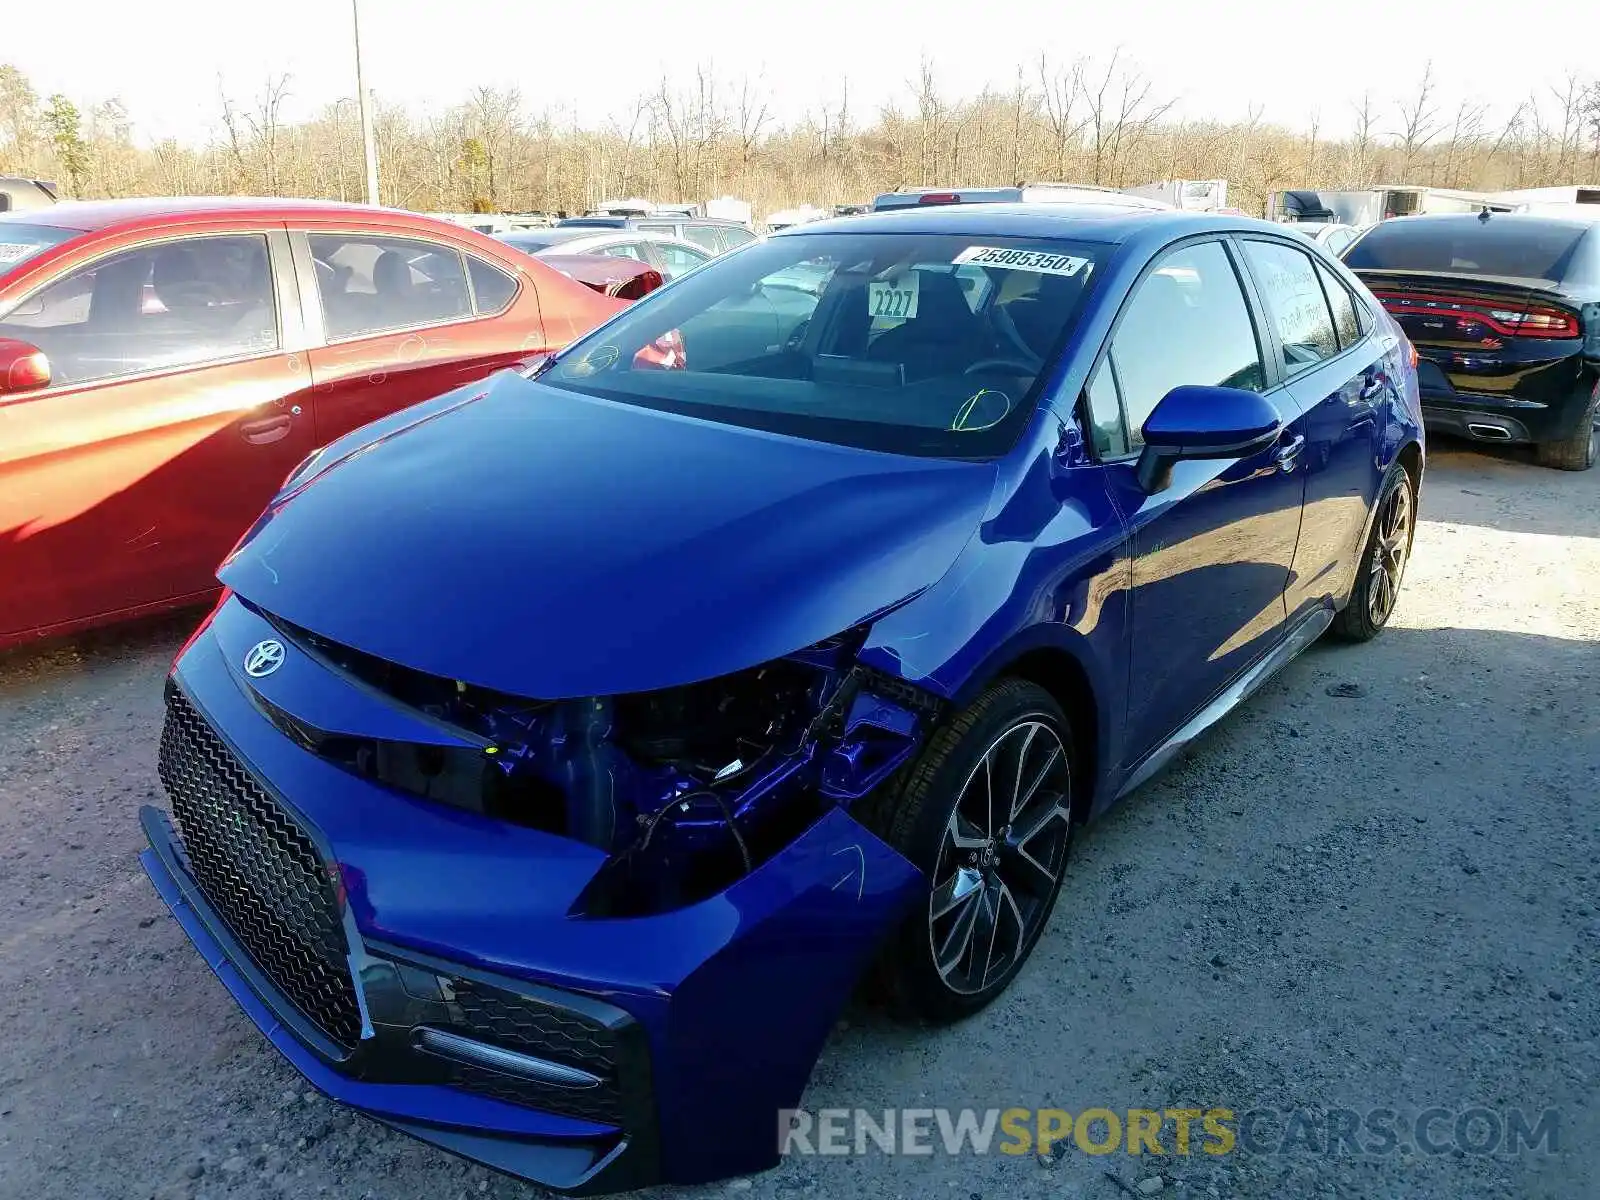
column 374, row 284
column 1346, row 322
column 733, row 236
column 1295, row 303
column 704, row 235
column 1187, row 323
column 492, row 289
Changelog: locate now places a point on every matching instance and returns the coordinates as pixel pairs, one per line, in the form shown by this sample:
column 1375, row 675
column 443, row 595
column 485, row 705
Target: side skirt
column 1311, row 627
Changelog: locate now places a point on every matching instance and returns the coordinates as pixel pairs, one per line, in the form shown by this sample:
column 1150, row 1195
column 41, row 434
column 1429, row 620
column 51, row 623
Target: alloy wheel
column 1002, row 854
column 1390, row 548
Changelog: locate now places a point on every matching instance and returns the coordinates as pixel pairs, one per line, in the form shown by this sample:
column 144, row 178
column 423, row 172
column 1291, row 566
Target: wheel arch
column 1062, row 669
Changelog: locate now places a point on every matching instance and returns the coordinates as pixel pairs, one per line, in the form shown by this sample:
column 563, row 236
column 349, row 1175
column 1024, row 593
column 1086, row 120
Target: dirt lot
column 1376, row 886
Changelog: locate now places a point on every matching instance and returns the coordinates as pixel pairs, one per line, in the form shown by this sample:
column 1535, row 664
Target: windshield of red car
column 20, row 241
column 917, row 344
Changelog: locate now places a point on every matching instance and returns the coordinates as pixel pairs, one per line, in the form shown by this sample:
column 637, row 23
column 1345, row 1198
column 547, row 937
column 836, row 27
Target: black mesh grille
column 260, row 871
column 518, row 1023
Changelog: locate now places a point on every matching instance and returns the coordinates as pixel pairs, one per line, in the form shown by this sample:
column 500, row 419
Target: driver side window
column 1186, row 323
column 172, row 304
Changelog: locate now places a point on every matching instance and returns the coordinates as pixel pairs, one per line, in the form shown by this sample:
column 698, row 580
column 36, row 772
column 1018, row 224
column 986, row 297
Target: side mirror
column 1204, row 422
column 23, row 368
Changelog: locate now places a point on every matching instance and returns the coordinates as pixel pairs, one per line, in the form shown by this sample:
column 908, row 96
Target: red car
column 164, row 365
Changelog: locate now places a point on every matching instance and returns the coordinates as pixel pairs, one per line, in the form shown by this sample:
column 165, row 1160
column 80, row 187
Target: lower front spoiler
column 560, row 1153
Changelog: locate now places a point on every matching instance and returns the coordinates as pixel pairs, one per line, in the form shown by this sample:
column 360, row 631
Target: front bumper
column 565, row 1154
column 713, row 1014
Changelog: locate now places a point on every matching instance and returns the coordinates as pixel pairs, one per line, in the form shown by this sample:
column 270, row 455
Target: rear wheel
column 1579, row 450
column 1383, row 562
column 985, row 811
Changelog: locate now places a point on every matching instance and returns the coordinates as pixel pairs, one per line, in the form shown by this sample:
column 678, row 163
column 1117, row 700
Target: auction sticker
column 893, row 299
column 15, row 252
column 1041, row 261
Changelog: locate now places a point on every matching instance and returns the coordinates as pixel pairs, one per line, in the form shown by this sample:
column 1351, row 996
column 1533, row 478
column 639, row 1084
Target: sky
column 164, row 58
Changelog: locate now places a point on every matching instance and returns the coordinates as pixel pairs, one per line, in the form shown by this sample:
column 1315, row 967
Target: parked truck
column 1368, row 206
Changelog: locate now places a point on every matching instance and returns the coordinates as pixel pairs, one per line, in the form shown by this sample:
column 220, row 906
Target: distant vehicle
column 1368, row 206
column 1505, row 313
column 1030, row 193
column 851, row 210
column 730, row 208
column 1570, row 201
column 20, row 195
column 620, row 278
column 1335, row 235
column 672, row 256
column 709, row 233
column 1193, row 195
column 164, row 364
column 787, row 218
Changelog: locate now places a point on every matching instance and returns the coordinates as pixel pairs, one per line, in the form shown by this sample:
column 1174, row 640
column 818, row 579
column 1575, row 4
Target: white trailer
column 1196, row 195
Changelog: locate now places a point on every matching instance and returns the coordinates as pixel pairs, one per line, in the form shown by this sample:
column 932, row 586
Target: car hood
column 551, row 545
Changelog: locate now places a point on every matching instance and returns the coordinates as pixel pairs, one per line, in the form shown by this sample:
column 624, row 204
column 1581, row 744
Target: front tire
column 1383, row 560
column 986, row 812
column 1579, row 449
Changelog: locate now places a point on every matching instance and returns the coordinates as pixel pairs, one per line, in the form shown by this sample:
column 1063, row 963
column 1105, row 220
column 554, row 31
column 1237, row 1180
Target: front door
column 1212, row 551
column 173, row 415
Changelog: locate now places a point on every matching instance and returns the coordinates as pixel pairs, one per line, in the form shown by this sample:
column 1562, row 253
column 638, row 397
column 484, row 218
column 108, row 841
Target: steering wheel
column 1016, row 365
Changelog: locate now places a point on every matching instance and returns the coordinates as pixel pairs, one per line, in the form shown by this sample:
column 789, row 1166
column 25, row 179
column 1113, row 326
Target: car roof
column 91, row 215
column 617, row 220
column 1108, row 223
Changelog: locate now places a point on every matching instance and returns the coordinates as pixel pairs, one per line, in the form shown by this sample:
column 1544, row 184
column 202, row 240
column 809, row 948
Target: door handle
column 1289, row 451
column 1372, row 389
column 266, row 430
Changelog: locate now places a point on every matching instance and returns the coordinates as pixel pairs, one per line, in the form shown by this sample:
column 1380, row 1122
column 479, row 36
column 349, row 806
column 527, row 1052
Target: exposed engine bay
column 687, row 789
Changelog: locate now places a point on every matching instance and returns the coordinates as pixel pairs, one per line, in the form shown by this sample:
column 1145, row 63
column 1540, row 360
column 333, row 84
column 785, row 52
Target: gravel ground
column 1378, row 885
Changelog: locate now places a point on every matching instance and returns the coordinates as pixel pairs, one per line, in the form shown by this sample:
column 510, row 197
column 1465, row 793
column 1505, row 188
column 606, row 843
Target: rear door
column 178, row 405
column 1336, row 371
column 407, row 317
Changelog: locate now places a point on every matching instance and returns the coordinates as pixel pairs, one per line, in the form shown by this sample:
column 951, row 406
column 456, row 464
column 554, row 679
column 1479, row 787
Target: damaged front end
column 667, row 891
column 686, row 789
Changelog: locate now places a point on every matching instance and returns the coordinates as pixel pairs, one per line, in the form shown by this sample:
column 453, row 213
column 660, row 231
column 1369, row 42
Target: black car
column 1504, row 311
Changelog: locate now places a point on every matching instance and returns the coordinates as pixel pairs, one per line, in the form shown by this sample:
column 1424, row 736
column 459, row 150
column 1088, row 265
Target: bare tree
column 1120, row 113
column 1061, row 90
column 750, row 116
column 1419, row 122
column 1361, row 143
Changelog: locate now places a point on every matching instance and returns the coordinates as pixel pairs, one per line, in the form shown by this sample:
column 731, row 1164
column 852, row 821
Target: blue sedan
column 566, row 749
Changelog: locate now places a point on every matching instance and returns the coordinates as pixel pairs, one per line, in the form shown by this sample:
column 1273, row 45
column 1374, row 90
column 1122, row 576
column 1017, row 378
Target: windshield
column 1510, row 248
column 910, row 343
column 19, row 241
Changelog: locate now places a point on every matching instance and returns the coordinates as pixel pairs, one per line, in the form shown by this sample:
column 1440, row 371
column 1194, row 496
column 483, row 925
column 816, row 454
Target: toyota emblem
column 264, row 658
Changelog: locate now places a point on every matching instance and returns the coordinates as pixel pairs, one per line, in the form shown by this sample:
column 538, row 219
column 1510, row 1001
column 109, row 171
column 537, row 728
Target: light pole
column 368, row 145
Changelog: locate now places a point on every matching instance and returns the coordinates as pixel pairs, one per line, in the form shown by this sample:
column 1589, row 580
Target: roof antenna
column 1483, row 213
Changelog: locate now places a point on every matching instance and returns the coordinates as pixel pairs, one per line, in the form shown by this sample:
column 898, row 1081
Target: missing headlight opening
column 687, row 789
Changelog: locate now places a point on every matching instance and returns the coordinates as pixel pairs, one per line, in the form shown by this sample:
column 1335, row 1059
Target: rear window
column 19, row 242
column 532, row 241
column 913, row 344
column 1499, row 246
